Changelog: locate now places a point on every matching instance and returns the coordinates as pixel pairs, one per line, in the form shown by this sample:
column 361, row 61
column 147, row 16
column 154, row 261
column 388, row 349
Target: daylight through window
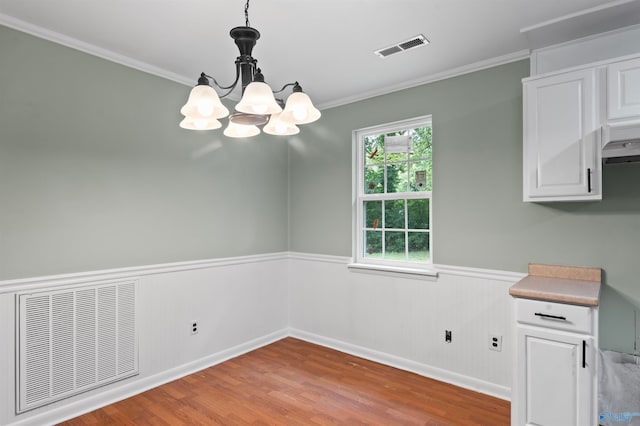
column 394, row 178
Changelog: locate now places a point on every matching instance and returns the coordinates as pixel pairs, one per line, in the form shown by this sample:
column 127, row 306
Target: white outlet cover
column 495, row 338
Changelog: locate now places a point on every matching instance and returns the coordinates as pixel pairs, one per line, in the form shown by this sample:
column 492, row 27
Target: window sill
column 396, row 271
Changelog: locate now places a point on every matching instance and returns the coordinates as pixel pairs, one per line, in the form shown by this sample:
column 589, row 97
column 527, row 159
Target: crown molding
column 91, row 49
column 431, row 78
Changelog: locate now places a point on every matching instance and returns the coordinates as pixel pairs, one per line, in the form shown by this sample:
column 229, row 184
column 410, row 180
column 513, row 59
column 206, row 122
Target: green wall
column 479, row 219
column 95, row 172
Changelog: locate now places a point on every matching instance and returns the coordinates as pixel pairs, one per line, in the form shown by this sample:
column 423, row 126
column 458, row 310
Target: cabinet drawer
column 560, row 316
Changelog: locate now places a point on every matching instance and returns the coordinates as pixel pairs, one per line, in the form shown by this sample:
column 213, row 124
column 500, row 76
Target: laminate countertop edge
column 575, row 292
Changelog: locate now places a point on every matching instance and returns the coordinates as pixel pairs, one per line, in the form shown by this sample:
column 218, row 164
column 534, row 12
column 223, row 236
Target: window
column 393, row 193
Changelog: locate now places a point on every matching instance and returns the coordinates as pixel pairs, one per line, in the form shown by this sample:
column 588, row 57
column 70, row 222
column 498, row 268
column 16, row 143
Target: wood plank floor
column 292, row 382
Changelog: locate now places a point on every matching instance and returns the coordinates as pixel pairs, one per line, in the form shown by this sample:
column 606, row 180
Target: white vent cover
column 403, row 46
column 73, row 340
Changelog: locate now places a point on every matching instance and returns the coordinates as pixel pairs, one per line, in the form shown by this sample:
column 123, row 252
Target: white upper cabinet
column 562, row 155
column 623, row 89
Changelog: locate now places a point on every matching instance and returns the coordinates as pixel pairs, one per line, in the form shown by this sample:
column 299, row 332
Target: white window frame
column 359, row 197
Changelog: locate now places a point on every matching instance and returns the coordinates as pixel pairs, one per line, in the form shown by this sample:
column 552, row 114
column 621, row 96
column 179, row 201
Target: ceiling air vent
column 412, row 43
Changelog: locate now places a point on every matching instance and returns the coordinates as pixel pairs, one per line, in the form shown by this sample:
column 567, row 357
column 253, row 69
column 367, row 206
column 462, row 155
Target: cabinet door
column 623, row 89
column 561, row 155
column 555, row 378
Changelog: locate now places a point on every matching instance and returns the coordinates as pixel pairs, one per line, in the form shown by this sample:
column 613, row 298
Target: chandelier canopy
column 258, row 106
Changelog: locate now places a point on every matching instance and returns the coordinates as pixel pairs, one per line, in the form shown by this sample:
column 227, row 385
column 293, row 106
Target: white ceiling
column 327, row 45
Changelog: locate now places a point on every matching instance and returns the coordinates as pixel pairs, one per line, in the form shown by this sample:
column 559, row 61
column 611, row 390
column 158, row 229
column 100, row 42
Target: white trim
column 462, row 271
column 489, row 274
column 395, row 271
column 425, row 370
column 92, row 49
column 10, row 286
column 326, row 258
column 25, row 284
column 577, row 14
column 585, row 39
column 444, row 75
column 598, row 64
column 128, row 390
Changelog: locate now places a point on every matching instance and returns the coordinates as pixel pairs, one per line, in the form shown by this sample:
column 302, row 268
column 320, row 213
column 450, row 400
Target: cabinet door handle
column 589, row 180
column 539, row 314
column 584, row 354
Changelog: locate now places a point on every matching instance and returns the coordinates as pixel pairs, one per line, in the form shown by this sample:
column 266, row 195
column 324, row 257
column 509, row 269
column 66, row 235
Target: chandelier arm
column 232, row 86
column 285, row 86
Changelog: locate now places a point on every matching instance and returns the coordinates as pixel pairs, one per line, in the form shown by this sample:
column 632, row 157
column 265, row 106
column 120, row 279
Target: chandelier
column 258, row 105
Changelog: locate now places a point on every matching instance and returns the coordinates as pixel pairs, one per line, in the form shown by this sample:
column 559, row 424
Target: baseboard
column 127, row 390
column 453, row 378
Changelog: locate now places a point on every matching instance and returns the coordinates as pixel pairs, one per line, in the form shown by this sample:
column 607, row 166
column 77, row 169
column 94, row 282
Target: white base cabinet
column 555, row 370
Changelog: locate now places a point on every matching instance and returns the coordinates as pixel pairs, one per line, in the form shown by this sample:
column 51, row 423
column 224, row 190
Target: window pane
column 397, row 146
column 394, row 248
column 374, row 149
column 373, row 244
column 418, row 214
column 373, row 214
column 397, row 177
column 397, row 157
column 421, row 142
column 373, row 180
column 419, row 246
column 421, row 176
column 394, row 214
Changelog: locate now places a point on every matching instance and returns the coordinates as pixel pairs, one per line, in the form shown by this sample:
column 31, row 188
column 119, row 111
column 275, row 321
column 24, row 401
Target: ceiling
column 326, row 45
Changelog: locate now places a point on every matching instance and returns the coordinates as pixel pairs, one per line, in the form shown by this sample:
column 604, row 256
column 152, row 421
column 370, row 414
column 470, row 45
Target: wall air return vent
column 71, row 340
column 411, row 43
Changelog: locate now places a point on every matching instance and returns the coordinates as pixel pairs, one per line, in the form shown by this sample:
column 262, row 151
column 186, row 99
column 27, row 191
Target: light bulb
column 281, row 127
column 260, row 109
column 242, row 131
column 200, row 124
column 300, row 110
column 205, row 107
column 300, row 114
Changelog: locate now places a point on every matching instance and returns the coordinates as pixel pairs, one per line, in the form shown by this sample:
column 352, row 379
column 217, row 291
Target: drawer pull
column 584, row 354
column 539, row 314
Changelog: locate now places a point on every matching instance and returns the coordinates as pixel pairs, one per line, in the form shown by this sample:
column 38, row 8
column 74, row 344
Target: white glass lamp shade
column 300, row 110
column 199, row 122
column 279, row 126
column 235, row 130
column 204, row 101
column 258, row 99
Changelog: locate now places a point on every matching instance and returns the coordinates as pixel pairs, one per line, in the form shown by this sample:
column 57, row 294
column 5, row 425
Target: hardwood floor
column 292, row 382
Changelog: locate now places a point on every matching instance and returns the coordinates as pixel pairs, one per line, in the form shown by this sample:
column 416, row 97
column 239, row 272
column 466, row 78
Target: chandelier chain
column 246, row 13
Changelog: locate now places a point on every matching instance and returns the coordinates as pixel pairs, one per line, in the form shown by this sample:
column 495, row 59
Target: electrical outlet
column 194, row 327
column 447, row 336
column 495, row 342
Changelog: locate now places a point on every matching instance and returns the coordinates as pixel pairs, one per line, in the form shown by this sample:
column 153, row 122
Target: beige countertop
column 564, row 284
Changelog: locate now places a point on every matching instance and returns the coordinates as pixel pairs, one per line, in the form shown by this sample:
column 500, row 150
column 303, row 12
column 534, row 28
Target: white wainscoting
column 243, row 303
column 401, row 321
column 240, row 304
